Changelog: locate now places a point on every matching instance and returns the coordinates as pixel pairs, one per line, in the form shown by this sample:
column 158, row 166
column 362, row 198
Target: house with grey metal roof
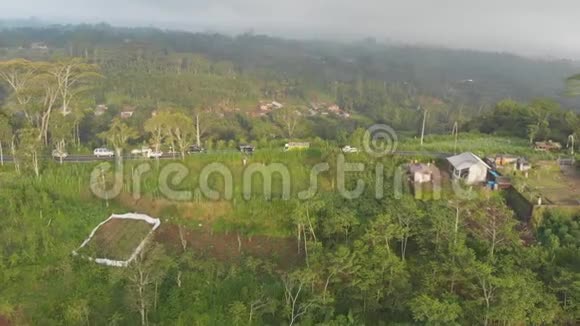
column 469, row 167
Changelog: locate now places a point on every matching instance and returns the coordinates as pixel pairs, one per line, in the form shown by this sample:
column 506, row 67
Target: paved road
column 420, row 153
column 79, row 158
column 91, row 158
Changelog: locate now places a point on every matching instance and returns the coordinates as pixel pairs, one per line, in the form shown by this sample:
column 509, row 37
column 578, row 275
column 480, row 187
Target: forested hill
column 465, row 76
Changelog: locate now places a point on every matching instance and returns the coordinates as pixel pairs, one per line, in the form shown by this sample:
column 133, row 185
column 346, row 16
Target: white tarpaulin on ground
column 155, row 222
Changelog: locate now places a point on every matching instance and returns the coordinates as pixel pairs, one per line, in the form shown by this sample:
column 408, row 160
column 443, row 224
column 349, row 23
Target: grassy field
column 556, row 185
column 257, row 215
column 117, row 239
column 478, row 144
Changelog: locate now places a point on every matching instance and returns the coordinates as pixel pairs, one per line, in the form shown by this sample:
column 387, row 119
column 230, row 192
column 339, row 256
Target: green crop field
column 479, row 144
column 117, row 239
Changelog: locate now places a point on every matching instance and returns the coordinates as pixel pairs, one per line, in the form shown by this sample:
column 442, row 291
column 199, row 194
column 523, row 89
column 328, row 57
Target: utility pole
column 197, row 132
column 455, row 131
column 423, row 128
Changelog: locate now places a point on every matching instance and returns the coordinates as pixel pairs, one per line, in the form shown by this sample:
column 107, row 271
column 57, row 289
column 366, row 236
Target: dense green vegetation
column 374, row 260
column 362, row 261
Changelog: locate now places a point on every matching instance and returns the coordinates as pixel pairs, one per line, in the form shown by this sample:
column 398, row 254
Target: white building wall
column 477, row 174
column 422, row 177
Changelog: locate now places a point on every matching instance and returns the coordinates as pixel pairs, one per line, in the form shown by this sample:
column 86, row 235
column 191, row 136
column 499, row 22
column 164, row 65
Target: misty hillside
column 460, row 75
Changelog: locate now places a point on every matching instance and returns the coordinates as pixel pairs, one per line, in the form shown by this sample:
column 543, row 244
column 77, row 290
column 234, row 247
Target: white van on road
column 103, row 152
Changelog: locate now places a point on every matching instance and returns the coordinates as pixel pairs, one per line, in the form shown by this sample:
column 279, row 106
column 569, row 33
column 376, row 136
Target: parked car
column 193, row 149
column 147, row 152
column 103, row 152
column 59, row 154
column 247, row 149
column 349, row 149
column 141, row 151
column 154, row 154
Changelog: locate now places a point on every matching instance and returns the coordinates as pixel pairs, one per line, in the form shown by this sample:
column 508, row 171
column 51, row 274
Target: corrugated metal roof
column 465, row 161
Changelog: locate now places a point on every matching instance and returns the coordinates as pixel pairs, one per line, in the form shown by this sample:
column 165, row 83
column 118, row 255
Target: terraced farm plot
column 117, row 239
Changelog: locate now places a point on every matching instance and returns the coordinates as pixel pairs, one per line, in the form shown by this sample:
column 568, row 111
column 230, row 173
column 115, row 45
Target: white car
column 154, row 154
column 103, row 152
column 349, row 149
column 59, row 154
column 147, row 152
column 141, row 151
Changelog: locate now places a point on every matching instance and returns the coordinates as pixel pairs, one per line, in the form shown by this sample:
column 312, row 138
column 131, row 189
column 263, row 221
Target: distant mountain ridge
column 469, row 76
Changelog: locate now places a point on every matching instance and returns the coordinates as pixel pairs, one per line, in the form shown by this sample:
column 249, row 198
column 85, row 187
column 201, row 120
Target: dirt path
column 230, row 248
column 4, row 321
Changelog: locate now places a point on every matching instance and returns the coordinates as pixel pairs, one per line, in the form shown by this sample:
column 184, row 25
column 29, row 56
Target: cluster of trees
column 541, row 119
column 49, row 105
column 559, row 234
column 47, row 100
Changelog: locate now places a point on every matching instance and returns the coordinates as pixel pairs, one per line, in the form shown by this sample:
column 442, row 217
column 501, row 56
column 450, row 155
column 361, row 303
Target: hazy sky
column 534, row 27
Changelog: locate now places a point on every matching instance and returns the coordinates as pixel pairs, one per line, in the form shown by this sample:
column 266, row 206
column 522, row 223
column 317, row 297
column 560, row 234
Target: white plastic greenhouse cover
column 155, row 222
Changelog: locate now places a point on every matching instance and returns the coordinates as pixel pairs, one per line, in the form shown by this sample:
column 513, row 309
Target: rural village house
column 469, row 167
column 548, row 146
column 101, row 109
column 127, row 112
column 422, row 173
column 425, row 180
